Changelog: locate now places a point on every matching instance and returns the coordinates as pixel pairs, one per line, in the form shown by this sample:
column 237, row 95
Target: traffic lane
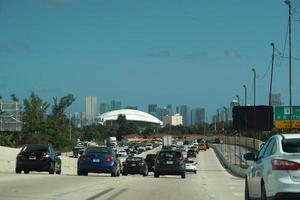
column 41, row 186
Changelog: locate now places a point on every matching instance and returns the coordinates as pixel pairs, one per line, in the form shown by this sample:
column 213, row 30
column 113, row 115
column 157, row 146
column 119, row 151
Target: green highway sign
column 283, row 113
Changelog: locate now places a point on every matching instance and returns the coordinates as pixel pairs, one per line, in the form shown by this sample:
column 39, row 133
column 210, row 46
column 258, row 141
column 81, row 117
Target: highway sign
column 282, row 117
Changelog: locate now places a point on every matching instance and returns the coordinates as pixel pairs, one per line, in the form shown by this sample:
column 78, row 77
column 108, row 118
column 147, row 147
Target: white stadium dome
column 131, row 115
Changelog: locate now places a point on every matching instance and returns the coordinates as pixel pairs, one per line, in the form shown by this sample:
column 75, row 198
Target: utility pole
column 288, row 2
column 245, row 87
column 272, row 68
column 254, row 86
column 238, row 99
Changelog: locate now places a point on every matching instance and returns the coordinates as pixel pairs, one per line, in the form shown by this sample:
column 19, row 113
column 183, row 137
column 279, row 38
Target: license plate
column 133, row 165
column 32, row 158
column 96, row 160
column 170, row 162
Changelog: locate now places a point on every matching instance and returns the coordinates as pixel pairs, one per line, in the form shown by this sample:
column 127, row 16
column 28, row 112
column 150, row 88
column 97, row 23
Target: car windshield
column 291, row 145
column 29, row 148
column 170, row 154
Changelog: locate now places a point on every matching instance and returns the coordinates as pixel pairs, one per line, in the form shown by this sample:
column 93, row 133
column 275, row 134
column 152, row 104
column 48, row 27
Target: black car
column 169, row 162
column 150, row 159
column 191, row 153
column 38, row 157
column 135, row 165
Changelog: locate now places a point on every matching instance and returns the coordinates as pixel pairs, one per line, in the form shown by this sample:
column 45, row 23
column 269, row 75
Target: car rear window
column 102, row 150
column 291, row 145
column 189, row 161
column 170, row 154
column 134, row 159
column 35, row 147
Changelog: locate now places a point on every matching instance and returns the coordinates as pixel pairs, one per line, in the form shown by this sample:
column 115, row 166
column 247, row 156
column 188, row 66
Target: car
column 194, row 148
column 150, row 159
column 122, row 153
column 169, row 162
column 191, row 166
column 38, row 157
column 77, row 150
column 149, row 146
column 135, row 165
column 99, row 160
column 201, row 147
column 191, row 153
column 275, row 171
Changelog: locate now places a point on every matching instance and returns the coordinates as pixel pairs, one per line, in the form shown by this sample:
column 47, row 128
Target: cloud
column 160, row 54
column 15, row 47
column 194, row 56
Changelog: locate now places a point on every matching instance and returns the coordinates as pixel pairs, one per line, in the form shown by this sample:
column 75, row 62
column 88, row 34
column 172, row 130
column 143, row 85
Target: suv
column 169, row 162
column 99, row 160
column 38, row 157
column 275, row 172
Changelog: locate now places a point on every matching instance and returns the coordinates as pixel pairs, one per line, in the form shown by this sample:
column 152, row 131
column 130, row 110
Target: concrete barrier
column 8, row 161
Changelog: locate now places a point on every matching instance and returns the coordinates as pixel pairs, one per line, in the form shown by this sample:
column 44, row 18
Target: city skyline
column 170, row 52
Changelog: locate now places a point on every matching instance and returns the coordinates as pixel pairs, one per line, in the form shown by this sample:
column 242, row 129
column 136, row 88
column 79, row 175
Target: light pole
column 254, row 85
column 245, row 87
column 238, row 99
column 271, row 81
column 290, row 58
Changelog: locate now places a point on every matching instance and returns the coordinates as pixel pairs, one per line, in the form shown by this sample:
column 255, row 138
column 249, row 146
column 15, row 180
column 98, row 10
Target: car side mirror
column 250, row 156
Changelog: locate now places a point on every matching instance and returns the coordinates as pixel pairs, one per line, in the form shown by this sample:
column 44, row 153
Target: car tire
column 118, row 173
column 263, row 192
column 183, row 175
column 145, row 173
column 58, row 172
column 195, row 172
column 85, row 173
column 26, row 171
column 124, row 174
column 246, row 191
column 79, row 173
column 113, row 174
column 156, row 175
column 18, row 171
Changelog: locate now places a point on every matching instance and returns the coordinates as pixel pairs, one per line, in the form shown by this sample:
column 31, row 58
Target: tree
column 14, row 98
column 125, row 127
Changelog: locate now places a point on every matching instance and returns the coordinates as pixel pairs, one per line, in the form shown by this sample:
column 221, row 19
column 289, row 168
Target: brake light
column 109, row 159
column 82, row 157
column 20, row 157
column 281, row 164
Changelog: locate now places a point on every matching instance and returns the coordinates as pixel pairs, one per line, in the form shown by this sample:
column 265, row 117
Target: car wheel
column 113, row 174
column 18, row 171
column 58, row 172
column 183, row 175
column 26, row 171
column 195, row 172
column 263, row 192
column 85, row 173
column 124, row 174
column 246, row 191
column 145, row 173
column 79, row 173
column 118, row 173
column 156, row 175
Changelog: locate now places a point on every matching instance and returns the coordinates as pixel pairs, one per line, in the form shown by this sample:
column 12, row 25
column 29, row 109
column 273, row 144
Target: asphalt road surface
column 211, row 182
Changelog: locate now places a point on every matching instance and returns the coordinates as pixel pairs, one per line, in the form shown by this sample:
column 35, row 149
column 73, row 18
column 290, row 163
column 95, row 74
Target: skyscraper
column 90, row 108
column 115, row 105
column 104, row 107
column 198, row 116
column 184, row 111
column 152, row 109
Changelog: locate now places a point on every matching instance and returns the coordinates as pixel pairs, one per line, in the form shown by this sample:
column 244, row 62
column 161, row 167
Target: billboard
column 253, row 118
column 282, row 117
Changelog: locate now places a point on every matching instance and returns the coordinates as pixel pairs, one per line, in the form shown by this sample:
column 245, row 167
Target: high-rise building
column 115, row 105
column 175, row 120
column 90, row 108
column 152, row 109
column 161, row 112
column 169, row 109
column 104, row 107
column 276, row 100
column 198, row 116
column 184, row 111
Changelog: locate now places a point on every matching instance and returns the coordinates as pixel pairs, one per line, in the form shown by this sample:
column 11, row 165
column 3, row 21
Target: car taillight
column 20, row 157
column 109, row 159
column 82, row 157
column 280, row 164
column 141, row 164
column 181, row 160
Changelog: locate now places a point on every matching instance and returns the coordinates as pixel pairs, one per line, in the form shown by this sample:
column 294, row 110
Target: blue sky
column 194, row 52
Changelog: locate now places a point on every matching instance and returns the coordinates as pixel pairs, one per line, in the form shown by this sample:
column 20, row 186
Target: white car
column 191, row 166
column 122, row 153
column 149, row 146
column 275, row 172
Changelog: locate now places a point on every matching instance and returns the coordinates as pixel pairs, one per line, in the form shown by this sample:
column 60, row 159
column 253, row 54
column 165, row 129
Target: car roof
column 290, row 136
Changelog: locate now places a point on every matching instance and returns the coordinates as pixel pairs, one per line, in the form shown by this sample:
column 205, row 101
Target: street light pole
column 288, row 2
column 238, row 99
column 271, row 81
column 254, row 86
column 245, row 87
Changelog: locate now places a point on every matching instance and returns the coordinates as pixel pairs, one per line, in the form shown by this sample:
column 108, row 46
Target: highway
column 211, row 182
